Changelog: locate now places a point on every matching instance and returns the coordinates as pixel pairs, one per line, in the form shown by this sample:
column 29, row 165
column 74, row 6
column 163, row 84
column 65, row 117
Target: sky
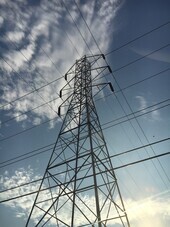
column 39, row 41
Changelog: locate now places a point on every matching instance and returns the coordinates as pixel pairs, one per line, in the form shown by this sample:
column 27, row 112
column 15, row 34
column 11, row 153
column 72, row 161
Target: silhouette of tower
column 79, row 187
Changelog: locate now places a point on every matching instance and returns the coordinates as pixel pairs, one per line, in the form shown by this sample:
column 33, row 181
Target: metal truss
column 79, row 187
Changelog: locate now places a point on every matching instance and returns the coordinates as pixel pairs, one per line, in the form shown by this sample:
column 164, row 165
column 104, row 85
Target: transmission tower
column 79, row 187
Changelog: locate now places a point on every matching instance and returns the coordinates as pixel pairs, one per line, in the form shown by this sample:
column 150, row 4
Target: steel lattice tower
column 79, row 187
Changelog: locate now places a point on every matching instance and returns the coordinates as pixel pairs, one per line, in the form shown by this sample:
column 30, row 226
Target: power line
column 123, row 44
column 142, row 160
column 30, row 152
column 12, row 43
column 127, row 135
column 144, row 34
column 123, row 94
column 136, row 117
column 57, row 98
column 131, row 108
column 30, row 84
column 95, row 43
column 133, row 113
column 138, row 59
column 25, row 130
column 41, row 74
column 22, row 159
column 29, row 111
column 128, row 64
column 138, row 82
column 76, row 26
column 33, row 87
column 113, row 156
column 67, row 36
column 141, row 130
column 43, row 86
column 80, row 31
column 104, row 128
column 137, row 148
column 118, row 167
column 88, row 27
column 98, row 48
column 37, row 89
column 26, row 112
column 148, row 78
column 39, row 46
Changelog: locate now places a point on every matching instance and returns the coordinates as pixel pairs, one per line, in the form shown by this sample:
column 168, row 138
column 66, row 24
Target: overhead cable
column 110, row 125
column 131, row 85
column 118, row 167
column 47, row 121
column 138, row 37
column 112, row 156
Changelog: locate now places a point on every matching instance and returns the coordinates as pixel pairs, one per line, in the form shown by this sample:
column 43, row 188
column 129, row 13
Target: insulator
column 111, row 87
column 59, row 111
column 110, row 70
column 60, row 93
column 65, row 77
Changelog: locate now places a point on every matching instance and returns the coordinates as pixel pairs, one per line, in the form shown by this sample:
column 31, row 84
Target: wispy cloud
column 162, row 55
column 15, row 36
column 40, row 41
column 143, row 103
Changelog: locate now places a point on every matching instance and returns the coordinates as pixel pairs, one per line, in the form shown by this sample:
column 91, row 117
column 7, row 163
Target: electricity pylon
column 79, row 187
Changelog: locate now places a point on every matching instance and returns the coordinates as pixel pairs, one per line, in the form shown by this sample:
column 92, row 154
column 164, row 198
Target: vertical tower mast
column 79, row 187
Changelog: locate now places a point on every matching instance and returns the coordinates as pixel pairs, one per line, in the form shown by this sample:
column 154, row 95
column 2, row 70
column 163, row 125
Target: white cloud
column 15, row 36
column 36, row 121
column 47, row 43
column 17, row 60
column 150, row 211
column 156, row 115
column 143, row 103
column 3, row 2
column 1, row 20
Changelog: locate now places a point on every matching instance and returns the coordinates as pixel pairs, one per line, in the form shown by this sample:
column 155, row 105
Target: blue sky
column 39, row 42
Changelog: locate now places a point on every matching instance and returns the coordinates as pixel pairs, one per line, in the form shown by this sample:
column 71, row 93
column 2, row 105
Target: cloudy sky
column 39, row 41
